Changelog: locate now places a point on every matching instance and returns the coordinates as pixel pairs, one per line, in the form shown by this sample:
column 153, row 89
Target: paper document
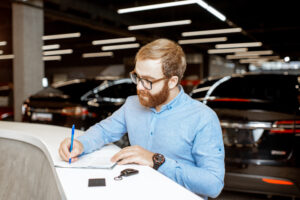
column 98, row 159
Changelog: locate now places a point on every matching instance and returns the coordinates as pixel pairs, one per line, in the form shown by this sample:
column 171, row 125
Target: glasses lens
column 147, row 84
column 133, row 77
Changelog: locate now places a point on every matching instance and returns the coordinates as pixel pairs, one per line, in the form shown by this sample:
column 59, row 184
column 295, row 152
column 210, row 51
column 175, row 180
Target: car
column 260, row 119
column 82, row 102
column 6, row 102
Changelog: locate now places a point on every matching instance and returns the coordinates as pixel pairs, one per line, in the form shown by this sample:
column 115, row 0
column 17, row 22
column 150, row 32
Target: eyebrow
column 147, row 77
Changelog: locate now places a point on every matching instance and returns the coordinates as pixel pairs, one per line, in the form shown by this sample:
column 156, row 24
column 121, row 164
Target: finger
column 75, row 152
column 125, row 151
column 129, row 160
column 74, row 159
column 65, row 147
column 122, row 155
column 62, row 155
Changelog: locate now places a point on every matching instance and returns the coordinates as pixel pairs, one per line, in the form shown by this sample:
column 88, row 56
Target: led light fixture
column 61, row 36
column 204, row 40
column 161, row 24
column 262, row 52
column 50, row 58
column 201, row 3
column 211, row 9
column 212, row 32
column 220, row 51
column 230, row 57
column 3, row 43
column 238, row 45
column 155, row 6
column 58, row 52
column 49, row 47
column 112, row 41
column 5, row 57
column 99, row 54
column 121, row 46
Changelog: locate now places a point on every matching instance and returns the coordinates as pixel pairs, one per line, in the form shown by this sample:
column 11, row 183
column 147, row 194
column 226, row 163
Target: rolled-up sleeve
column 206, row 177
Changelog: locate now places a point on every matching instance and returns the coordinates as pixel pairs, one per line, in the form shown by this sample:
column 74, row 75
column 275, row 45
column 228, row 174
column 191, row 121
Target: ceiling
column 274, row 23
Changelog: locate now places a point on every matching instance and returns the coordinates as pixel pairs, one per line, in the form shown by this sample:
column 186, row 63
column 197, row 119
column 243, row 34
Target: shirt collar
column 176, row 101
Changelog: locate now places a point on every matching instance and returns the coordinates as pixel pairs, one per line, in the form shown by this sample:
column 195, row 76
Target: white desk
column 73, row 183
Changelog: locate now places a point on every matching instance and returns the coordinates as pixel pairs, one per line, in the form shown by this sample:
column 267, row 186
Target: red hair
column 171, row 54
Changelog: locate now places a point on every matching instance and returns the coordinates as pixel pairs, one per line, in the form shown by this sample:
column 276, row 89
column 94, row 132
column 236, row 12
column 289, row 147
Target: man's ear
column 173, row 82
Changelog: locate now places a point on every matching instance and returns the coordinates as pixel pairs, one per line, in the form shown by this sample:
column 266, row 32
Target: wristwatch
column 158, row 160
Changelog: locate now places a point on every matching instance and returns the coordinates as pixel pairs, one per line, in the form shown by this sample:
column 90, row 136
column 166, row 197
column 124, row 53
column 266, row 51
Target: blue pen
column 72, row 139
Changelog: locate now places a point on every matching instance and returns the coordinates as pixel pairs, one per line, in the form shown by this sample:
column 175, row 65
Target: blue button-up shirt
column 185, row 131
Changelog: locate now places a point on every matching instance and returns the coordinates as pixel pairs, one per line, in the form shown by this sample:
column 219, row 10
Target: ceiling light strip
column 4, row 57
column 58, row 52
column 3, row 43
column 232, row 57
column 51, row 46
column 112, row 41
column 263, row 52
column 211, row 32
column 61, row 36
column 161, row 24
column 156, row 6
column 99, row 54
column 50, row 58
column 205, row 40
column 1, row 52
column 201, row 3
column 238, row 45
column 253, row 62
column 261, row 58
column 122, row 46
column 211, row 9
column 219, row 51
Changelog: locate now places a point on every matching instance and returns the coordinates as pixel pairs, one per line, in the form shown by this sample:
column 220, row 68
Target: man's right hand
column 64, row 150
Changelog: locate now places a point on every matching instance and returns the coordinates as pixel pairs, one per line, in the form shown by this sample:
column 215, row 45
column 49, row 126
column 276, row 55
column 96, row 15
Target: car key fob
column 126, row 172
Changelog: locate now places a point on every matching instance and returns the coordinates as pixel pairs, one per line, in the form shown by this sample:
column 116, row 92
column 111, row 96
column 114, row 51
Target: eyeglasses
column 146, row 83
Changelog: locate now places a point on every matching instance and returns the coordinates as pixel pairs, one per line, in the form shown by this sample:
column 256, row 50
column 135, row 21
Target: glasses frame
column 139, row 79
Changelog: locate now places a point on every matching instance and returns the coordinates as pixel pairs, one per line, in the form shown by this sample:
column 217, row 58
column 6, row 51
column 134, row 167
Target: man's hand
column 134, row 154
column 64, row 149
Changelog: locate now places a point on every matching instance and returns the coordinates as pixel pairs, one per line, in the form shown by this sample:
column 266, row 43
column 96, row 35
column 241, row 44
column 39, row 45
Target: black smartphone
column 94, row 182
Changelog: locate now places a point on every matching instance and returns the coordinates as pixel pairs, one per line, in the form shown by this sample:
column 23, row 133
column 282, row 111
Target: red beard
column 151, row 101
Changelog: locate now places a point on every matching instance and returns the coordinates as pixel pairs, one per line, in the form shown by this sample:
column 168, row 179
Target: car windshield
column 264, row 92
column 77, row 89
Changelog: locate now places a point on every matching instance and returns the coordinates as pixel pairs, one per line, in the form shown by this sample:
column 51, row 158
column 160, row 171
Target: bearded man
column 167, row 129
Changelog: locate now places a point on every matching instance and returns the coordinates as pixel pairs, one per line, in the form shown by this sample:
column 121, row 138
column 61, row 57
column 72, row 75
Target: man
column 169, row 131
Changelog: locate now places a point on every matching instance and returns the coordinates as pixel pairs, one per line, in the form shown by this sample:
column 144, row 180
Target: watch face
column 159, row 158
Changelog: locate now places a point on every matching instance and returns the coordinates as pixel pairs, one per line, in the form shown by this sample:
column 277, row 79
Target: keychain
column 126, row 172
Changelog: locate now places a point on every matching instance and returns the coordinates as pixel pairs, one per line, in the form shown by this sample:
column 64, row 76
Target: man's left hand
column 134, row 154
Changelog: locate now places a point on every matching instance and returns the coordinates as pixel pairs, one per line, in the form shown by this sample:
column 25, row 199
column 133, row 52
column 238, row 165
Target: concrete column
column 28, row 66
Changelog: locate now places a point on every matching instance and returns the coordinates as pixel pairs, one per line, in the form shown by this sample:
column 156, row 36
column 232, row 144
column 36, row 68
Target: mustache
column 142, row 92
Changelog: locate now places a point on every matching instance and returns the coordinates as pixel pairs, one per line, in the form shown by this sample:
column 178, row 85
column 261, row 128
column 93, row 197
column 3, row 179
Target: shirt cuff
column 168, row 168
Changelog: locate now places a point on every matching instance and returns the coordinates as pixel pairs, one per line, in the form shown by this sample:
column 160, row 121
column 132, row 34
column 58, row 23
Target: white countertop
column 147, row 184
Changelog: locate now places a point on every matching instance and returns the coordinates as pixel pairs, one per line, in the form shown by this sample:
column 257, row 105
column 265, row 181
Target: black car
column 6, row 102
column 260, row 119
column 82, row 102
